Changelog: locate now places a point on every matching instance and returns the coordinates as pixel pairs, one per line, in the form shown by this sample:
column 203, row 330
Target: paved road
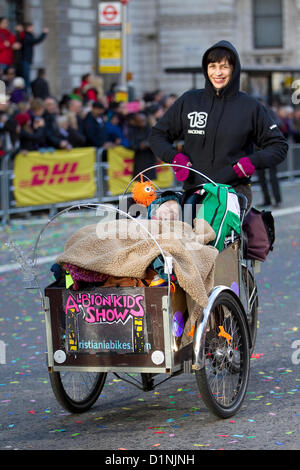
column 172, row 417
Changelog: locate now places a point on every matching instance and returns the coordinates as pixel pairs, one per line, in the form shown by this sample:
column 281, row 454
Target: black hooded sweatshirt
column 218, row 129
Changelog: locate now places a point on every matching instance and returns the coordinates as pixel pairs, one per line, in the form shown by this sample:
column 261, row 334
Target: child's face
column 169, row 210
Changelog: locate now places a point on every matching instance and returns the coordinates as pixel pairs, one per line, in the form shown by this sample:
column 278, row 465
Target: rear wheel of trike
column 77, row 391
column 223, row 380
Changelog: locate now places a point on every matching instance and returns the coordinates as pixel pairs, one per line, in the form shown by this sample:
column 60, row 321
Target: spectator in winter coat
column 115, row 131
column 29, row 42
column 8, row 78
column 94, row 127
column 39, row 86
column 69, row 133
column 273, row 178
column 4, row 115
column 227, row 134
column 32, row 134
column 18, row 92
column 167, row 101
column 74, row 108
column 54, row 138
column 8, row 44
column 20, row 33
column 138, row 137
column 91, row 88
column 37, row 107
column 154, row 112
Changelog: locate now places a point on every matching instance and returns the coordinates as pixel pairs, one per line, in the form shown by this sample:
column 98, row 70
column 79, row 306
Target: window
column 267, row 23
column 14, row 12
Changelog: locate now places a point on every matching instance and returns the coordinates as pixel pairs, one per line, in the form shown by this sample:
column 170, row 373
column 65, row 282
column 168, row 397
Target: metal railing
column 288, row 169
column 8, row 204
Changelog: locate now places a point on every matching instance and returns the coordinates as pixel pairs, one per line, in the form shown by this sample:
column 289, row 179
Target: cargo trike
column 144, row 328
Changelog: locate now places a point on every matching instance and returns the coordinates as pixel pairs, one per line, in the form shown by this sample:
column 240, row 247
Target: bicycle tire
column 64, row 398
column 222, row 360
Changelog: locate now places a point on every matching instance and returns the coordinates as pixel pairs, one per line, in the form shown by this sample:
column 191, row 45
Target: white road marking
column 287, row 211
column 15, row 266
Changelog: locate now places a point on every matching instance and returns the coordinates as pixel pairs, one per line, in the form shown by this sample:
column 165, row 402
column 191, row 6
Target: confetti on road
column 272, row 395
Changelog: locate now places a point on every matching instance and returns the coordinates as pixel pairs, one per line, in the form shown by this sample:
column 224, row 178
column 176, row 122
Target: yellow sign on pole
column 110, row 52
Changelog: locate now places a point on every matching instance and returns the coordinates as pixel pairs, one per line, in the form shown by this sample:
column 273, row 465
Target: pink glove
column 244, row 168
column 181, row 174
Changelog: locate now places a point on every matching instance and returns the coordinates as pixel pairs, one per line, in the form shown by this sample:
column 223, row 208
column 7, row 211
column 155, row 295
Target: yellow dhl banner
column 120, row 171
column 48, row 178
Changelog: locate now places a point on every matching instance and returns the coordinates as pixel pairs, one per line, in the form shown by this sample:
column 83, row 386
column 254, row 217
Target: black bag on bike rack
column 260, row 231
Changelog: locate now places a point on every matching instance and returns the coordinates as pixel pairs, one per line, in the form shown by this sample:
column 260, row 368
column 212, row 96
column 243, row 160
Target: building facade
column 166, row 34
column 174, row 33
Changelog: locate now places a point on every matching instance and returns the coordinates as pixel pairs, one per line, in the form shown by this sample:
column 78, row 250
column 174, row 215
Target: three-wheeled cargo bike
column 147, row 344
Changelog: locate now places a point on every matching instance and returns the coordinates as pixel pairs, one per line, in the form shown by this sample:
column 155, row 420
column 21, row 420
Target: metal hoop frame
column 95, row 206
column 164, row 165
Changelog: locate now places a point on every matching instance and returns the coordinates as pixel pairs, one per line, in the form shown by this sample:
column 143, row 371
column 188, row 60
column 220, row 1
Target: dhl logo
column 127, row 169
column 54, row 174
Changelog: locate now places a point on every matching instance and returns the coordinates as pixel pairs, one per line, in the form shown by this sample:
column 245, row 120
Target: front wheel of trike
column 77, row 391
column 223, row 380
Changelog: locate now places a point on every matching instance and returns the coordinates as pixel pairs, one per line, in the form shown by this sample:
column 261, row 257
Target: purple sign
column 178, row 324
column 234, row 286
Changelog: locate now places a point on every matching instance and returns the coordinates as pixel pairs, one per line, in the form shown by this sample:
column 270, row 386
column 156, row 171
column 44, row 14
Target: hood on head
column 234, row 84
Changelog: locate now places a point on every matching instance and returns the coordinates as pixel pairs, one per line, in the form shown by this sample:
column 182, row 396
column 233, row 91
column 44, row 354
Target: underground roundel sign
column 109, row 13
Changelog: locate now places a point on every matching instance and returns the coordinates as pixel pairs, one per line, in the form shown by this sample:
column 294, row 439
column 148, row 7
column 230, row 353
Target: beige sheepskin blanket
column 123, row 248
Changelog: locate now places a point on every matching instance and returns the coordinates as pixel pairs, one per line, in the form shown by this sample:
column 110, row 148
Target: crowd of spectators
column 34, row 119
column 88, row 116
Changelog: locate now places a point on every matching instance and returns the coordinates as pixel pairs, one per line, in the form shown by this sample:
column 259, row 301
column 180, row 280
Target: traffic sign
column 110, row 52
column 110, row 14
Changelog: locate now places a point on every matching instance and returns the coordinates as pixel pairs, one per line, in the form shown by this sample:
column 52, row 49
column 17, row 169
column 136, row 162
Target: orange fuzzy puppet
column 143, row 193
